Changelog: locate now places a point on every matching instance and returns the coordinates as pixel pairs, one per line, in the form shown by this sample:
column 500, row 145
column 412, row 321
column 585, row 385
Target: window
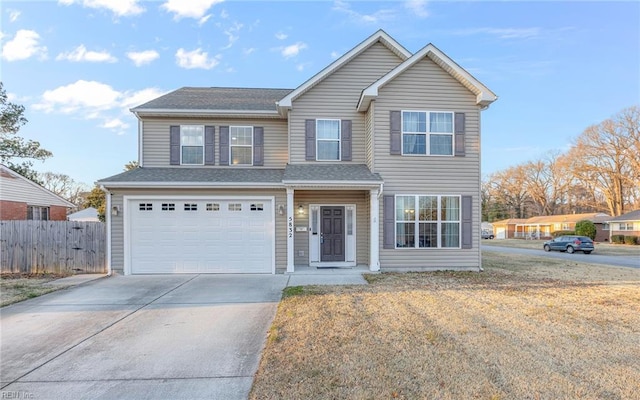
column 145, row 207
column 605, row 226
column 328, row 139
column 427, row 133
column 168, row 206
column 190, row 207
column 626, row 226
column 38, row 213
column 241, row 145
column 235, row 207
column 427, row 221
column 192, row 144
column 213, row 207
column 257, row 207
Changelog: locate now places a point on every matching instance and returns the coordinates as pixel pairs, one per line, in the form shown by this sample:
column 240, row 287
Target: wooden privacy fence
column 53, row 246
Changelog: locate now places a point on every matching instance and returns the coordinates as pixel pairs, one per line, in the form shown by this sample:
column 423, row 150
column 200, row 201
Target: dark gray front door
column 332, row 234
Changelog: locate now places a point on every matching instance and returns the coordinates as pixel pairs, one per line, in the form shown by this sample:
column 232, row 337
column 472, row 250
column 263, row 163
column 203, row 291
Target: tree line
column 599, row 173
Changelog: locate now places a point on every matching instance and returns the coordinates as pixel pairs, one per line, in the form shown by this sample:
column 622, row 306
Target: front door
column 332, row 234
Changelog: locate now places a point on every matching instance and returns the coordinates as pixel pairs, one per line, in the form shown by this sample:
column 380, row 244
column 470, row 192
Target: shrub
column 562, row 233
column 586, row 228
column 617, row 239
column 630, row 240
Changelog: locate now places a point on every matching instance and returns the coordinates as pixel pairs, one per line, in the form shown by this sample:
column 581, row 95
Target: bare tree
column 508, row 187
column 64, row 186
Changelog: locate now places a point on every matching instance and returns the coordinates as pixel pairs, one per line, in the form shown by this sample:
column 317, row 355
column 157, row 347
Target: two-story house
column 373, row 161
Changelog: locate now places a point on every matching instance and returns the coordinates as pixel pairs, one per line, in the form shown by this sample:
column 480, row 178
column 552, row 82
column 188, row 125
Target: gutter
column 107, row 216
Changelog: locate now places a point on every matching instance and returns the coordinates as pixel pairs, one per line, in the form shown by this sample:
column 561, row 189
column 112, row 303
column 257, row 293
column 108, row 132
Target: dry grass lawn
column 600, row 248
column 526, row 328
column 19, row 287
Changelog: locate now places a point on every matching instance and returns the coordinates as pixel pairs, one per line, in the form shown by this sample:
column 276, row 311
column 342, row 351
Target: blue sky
column 79, row 65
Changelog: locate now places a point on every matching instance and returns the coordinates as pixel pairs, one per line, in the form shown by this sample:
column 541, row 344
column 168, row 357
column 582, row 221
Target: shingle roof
column 549, row 219
column 630, row 216
column 330, row 173
column 197, row 175
column 216, row 98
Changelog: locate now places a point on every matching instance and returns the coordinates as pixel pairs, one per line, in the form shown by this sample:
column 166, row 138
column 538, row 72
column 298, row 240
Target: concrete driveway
column 140, row 337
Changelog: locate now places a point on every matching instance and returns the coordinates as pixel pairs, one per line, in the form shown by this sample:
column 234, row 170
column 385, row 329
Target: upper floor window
column 427, row 133
column 328, row 139
column 192, row 144
column 38, row 213
column 241, row 145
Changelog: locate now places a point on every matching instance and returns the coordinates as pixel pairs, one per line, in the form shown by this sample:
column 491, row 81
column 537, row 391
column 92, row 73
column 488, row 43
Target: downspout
column 107, row 216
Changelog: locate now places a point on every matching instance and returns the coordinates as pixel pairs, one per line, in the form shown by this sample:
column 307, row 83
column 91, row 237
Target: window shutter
column 174, row 145
column 224, row 145
column 310, row 139
column 389, row 222
column 258, row 146
column 459, row 134
column 345, row 140
column 395, row 122
column 209, row 145
column 467, row 222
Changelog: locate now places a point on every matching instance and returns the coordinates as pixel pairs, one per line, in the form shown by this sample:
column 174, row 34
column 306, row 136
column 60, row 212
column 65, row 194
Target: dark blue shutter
column 346, row 139
column 174, row 145
column 209, row 145
column 395, row 139
column 389, row 222
column 224, row 145
column 310, row 139
column 258, row 146
column 459, row 134
column 466, row 215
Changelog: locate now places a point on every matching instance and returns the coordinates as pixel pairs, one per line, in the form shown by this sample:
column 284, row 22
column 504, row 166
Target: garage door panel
column 201, row 236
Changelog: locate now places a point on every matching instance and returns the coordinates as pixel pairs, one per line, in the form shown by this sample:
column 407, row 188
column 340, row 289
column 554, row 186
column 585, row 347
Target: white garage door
column 200, row 236
column 501, row 233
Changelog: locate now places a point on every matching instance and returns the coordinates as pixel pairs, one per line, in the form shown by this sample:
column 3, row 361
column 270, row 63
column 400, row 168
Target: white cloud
column 502, row 33
column 92, row 100
column 281, row 36
column 293, row 50
column 140, row 58
column 301, row 67
column 232, row 34
column 335, row 54
column 375, row 18
column 418, row 7
column 204, row 19
column 121, row 8
column 80, row 54
column 248, row 51
column 195, row 9
column 24, row 44
column 195, row 59
column 13, row 15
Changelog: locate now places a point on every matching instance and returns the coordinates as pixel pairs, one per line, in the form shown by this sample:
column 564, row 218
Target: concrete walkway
column 145, row 337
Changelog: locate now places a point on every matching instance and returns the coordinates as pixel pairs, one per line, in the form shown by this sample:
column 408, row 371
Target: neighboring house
column 23, row 199
column 506, row 228
column 87, row 215
column 626, row 224
column 374, row 161
column 542, row 227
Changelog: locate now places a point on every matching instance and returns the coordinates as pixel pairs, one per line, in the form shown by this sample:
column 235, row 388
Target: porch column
column 290, row 267
column 374, row 231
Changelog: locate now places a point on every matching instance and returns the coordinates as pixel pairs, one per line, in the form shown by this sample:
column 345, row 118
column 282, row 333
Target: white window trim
column 417, row 222
column 231, row 146
column 339, row 140
column 427, row 133
column 202, row 163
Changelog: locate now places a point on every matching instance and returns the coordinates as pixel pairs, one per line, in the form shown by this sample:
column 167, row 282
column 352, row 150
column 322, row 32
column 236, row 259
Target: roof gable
column 628, row 217
column 380, row 36
column 484, row 96
column 16, row 187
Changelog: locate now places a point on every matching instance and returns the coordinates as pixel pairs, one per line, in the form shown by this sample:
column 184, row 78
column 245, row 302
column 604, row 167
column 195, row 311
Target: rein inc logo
column 16, row 394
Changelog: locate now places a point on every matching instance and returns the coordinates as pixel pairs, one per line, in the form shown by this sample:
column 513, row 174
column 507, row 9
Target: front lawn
column 526, row 328
column 19, row 287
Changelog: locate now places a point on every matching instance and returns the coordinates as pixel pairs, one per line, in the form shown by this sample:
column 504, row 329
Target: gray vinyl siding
column 328, row 197
column 337, row 97
column 117, row 226
column 155, row 139
column 425, row 86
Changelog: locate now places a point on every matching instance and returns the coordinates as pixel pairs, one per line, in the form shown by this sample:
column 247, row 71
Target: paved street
column 593, row 258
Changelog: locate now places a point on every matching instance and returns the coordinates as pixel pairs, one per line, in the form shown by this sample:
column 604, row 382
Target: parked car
column 570, row 244
column 487, row 235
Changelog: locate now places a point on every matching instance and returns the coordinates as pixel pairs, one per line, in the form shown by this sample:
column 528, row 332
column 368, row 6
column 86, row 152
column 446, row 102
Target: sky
column 78, row 66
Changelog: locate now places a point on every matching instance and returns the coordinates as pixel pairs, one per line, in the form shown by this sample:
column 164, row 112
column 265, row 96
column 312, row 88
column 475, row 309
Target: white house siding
column 117, row 228
column 425, row 86
column 337, row 97
column 18, row 190
column 328, row 197
column 155, row 139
